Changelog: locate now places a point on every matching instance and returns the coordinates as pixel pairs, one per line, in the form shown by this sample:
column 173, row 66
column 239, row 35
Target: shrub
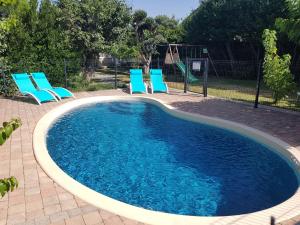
column 277, row 74
column 7, row 85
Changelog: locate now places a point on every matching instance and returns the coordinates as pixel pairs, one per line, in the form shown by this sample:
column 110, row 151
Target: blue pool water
column 136, row 153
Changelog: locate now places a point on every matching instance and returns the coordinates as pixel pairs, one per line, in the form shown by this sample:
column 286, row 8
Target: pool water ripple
column 137, row 153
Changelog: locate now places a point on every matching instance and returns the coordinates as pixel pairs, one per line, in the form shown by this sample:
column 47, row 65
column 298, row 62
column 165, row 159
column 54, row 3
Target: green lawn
column 241, row 90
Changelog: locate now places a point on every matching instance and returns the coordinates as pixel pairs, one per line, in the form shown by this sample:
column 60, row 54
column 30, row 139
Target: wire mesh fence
column 234, row 80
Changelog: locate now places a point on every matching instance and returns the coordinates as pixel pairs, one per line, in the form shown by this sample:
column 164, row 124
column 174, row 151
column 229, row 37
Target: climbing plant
column 8, row 184
column 8, row 128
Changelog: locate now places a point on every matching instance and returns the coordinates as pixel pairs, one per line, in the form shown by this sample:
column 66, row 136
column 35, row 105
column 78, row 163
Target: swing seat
column 168, row 59
column 172, row 57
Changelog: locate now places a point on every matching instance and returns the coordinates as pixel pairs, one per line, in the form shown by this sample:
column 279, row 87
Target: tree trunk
column 147, row 64
column 147, row 68
column 89, row 66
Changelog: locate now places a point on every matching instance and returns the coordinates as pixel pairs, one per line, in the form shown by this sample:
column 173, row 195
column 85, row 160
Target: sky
column 178, row 8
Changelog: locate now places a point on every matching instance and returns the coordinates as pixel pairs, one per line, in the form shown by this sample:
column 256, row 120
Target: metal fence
column 235, row 80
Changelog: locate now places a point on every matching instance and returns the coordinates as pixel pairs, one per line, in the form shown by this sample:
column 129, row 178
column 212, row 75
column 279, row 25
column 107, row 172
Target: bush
column 277, row 74
column 8, row 88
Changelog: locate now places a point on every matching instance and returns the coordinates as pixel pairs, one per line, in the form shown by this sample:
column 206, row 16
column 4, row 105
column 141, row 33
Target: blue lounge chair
column 26, row 88
column 43, row 84
column 136, row 82
column 156, row 81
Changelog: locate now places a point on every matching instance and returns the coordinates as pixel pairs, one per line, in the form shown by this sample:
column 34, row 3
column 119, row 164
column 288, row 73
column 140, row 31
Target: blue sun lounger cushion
column 43, row 84
column 157, row 83
column 27, row 88
column 136, row 81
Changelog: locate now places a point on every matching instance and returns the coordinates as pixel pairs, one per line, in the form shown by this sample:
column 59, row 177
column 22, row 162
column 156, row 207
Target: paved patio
column 40, row 201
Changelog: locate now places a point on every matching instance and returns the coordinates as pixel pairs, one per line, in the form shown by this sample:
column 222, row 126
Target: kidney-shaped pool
column 137, row 153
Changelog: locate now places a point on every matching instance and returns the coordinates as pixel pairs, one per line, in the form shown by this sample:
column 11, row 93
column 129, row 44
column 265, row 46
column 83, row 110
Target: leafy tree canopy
column 169, row 28
column 291, row 25
column 240, row 20
column 93, row 26
column 147, row 36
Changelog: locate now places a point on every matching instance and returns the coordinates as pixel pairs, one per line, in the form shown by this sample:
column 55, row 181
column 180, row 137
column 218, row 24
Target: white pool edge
column 281, row 212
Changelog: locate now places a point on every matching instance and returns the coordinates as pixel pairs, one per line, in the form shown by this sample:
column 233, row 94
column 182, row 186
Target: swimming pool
column 137, row 153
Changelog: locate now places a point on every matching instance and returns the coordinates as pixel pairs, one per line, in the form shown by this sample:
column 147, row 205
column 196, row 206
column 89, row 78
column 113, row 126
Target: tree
column 124, row 48
column 52, row 45
column 232, row 21
column 9, row 17
column 169, row 28
column 291, row 25
column 21, row 53
column 277, row 74
column 93, row 26
column 37, row 41
column 146, row 37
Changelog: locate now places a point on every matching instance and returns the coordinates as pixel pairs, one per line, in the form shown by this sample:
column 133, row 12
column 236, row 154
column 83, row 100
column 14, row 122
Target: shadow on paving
column 279, row 124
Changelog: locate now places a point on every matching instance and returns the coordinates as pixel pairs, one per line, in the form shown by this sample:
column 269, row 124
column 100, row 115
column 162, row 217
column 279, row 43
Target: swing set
column 177, row 56
column 190, row 62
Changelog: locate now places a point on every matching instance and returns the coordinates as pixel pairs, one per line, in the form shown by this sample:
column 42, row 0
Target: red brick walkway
column 40, row 201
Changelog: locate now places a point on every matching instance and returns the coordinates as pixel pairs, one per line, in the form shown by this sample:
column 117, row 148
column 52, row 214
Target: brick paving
column 40, row 201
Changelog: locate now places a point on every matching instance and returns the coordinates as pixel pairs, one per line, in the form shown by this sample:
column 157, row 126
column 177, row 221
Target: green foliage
column 42, row 35
column 147, row 36
column 92, row 26
column 8, row 184
column 79, row 83
column 123, row 50
column 169, row 28
column 9, row 12
column 235, row 20
column 7, row 86
column 277, row 74
column 45, row 35
column 8, row 128
column 38, row 43
column 124, row 47
column 291, row 25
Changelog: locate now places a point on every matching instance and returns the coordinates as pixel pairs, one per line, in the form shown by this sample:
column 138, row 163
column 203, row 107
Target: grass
column 111, row 71
column 241, row 90
column 79, row 83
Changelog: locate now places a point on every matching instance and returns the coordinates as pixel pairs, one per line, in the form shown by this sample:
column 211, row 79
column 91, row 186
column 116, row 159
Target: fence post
column 206, row 65
column 186, row 75
column 116, row 73
column 65, row 71
column 258, row 85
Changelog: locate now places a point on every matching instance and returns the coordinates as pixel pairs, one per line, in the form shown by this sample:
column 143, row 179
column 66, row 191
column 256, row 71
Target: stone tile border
column 38, row 193
column 150, row 217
